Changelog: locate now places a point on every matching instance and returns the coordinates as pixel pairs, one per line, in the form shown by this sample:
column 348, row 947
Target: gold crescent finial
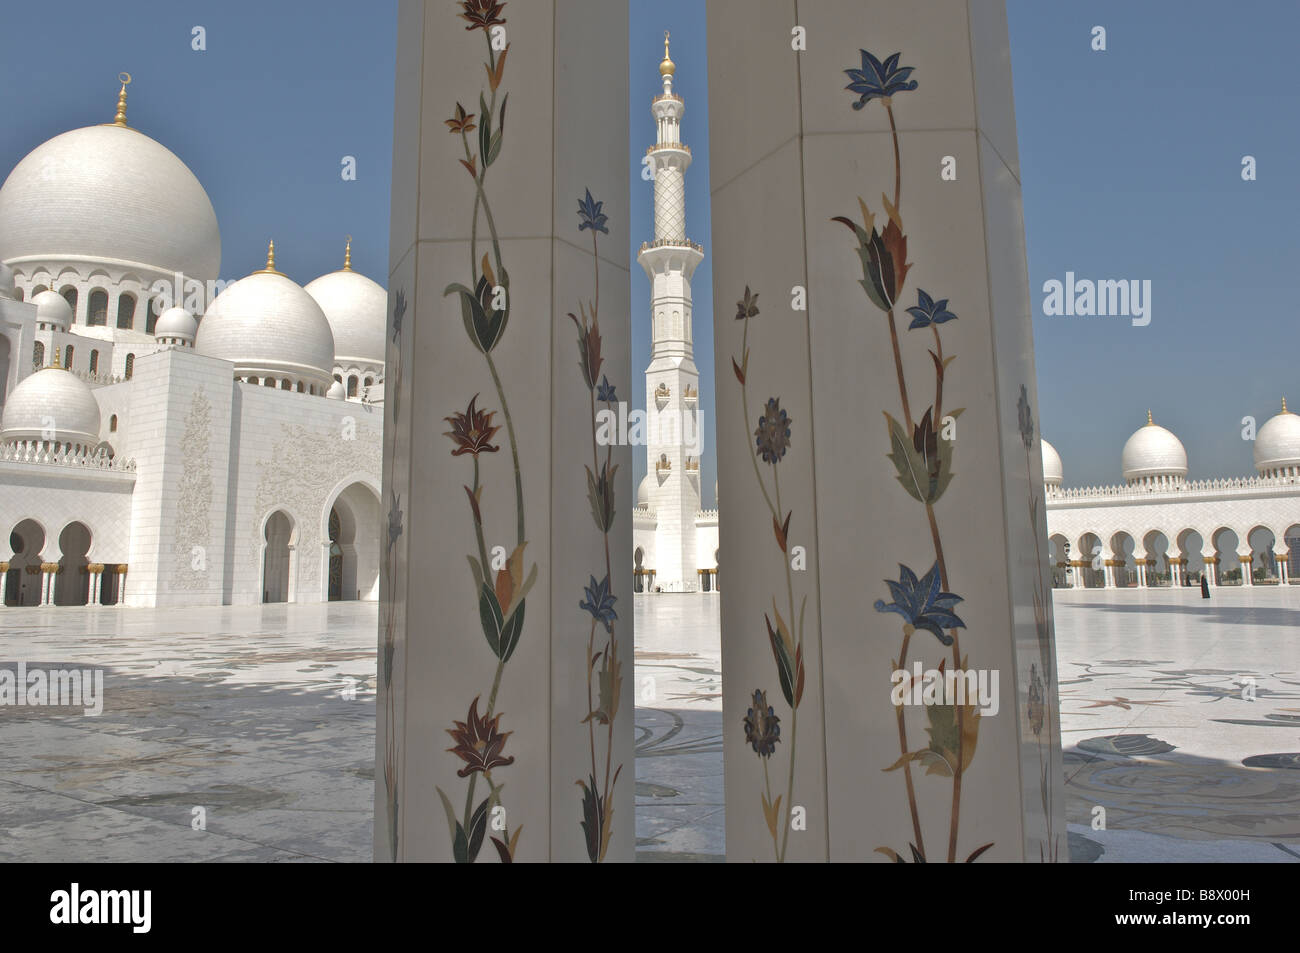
column 120, row 118
column 666, row 68
column 1284, row 410
column 56, row 363
column 1150, row 422
column 347, row 255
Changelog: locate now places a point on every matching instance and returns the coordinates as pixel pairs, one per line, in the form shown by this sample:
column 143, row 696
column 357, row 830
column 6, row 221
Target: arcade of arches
column 1223, row 557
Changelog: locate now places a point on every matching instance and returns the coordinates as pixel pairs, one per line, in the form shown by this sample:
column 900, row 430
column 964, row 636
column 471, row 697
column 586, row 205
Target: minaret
column 672, row 381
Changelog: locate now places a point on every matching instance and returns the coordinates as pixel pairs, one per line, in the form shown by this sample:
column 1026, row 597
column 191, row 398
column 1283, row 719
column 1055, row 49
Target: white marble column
column 874, row 516
column 1245, row 563
column 1282, row 557
column 505, row 604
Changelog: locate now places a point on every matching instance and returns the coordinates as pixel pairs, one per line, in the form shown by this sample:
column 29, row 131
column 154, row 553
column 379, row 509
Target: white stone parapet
column 38, row 453
column 1192, row 489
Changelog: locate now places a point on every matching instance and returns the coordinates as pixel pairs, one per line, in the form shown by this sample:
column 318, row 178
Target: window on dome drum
column 151, row 317
column 112, row 424
column 94, row 362
column 300, row 387
column 97, row 309
column 70, row 296
column 284, row 384
column 18, row 293
column 338, row 378
column 126, row 312
column 38, row 355
column 269, row 382
column 130, row 366
column 370, row 381
column 67, row 357
column 352, row 386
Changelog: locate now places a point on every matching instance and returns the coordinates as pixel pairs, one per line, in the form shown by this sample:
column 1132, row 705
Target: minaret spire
column 672, row 380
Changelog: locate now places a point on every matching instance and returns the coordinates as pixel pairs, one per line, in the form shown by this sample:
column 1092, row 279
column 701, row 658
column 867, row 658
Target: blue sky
column 1130, row 159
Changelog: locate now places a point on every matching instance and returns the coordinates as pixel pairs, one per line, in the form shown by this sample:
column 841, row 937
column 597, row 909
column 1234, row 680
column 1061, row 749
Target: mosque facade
column 166, row 438
column 1159, row 529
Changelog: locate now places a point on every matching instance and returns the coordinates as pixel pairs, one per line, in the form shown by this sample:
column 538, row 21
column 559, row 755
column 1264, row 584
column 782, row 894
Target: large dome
column 1153, row 451
column 1277, row 444
column 109, row 193
column 1053, row 473
column 357, row 310
column 268, row 326
column 51, row 399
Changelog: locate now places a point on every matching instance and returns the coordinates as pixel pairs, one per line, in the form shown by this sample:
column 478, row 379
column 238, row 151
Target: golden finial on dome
column 1284, row 410
column 55, row 348
column 667, row 67
column 120, row 118
column 1150, row 422
column 270, row 261
column 347, row 255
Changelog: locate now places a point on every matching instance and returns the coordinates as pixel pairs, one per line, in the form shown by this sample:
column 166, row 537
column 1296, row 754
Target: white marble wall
column 789, row 155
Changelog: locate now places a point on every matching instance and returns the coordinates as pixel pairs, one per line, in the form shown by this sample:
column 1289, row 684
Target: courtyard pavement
column 262, row 717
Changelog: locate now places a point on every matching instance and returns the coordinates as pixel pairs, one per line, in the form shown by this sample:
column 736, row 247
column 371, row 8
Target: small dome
column 6, row 281
column 109, row 193
column 643, row 491
column 53, row 308
column 337, row 391
column 357, row 310
column 1153, row 451
column 176, row 323
column 51, row 399
column 1277, row 444
column 1053, row 473
column 268, row 326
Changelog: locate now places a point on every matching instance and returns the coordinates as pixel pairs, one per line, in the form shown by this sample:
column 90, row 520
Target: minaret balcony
column 668, row 147
column 671, row 243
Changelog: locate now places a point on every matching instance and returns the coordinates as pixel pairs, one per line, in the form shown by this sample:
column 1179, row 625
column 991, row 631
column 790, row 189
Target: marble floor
column 262, row 717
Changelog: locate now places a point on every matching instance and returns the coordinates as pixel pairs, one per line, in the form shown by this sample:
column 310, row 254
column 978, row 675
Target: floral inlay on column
column 485, row 304
column 604, row 687
column 770, row 444
column 923, row 461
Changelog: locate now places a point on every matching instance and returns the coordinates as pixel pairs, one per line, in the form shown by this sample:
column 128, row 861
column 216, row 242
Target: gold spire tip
column 270, row 261
column 120, row 118
column 55, row 349
column 666, row 68
column 347, row 255
column 1150, row 422
column 1284, row 410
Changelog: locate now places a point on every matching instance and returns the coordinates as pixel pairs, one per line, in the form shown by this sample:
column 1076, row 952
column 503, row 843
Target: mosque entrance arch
column 277, row 557
column 1263, row 557
column 72, row 582
column 1155, row 546
column 23, row 588
column 1291, row 538
column 351, row 541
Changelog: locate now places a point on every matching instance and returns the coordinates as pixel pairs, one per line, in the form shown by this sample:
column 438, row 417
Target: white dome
column 357, row 310
column 643, row 491
column 1053, row 472
column 268, row 326
column 6, row 281
column 1278, row 442
column 53, row 308
column 109, row 193
column 176, row 323
column 1153, row 451
column 51, row 399
column 337, row 391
